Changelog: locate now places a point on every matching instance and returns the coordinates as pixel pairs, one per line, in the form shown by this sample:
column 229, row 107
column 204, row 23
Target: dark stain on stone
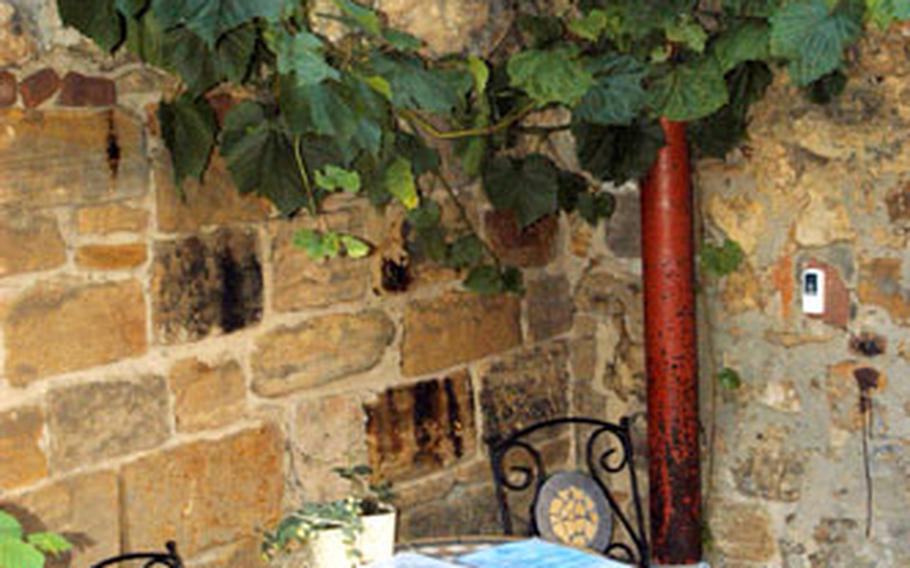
column 454, row 418
column 396, row 276
column 113, row 146
column 898, row 204
column 426, row 423
column 241, row 278
column 866, row 378
column 868, row 344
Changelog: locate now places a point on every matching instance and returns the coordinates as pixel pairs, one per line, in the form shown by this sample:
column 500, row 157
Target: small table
column 450, row 548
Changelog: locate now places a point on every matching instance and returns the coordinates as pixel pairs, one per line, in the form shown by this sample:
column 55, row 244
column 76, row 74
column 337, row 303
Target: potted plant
column 345, row 533
column 20, row 550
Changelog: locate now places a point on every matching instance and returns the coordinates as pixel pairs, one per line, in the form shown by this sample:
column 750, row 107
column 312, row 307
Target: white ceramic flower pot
column 377, row 541
column 327, row 549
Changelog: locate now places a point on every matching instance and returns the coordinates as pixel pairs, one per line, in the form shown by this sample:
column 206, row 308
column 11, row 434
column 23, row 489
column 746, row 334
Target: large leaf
column 528, row 186
column 317, row 109
column 551, row 76
column 9, row 526
column 751, row 8
column 302, row 54
column 399, row 182
column 188, row 127
column 690, row 91
column 260, row 156
column 618, row 96
column 686, row 31
column 49, row 543
column 333, row 178
column 362, row 16
column 17, row 554
column 414, row 86
column 98, row 19
column 748, row 41
column 202, row 68
column 813, row 37
column 210, row 19
column 591, row 26
column 884, row 12
column 618, row 153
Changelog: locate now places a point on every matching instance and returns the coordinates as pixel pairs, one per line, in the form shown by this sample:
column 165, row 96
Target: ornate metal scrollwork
column 169, row 559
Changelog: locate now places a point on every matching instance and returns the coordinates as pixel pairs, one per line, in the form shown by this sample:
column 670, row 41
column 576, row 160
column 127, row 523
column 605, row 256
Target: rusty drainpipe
column 672, row 362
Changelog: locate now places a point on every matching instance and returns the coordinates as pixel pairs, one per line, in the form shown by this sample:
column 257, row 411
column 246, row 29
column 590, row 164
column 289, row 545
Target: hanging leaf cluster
column 355, row 115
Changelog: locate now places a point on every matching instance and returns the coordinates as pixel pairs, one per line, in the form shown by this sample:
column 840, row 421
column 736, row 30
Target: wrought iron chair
column 572, row 507
column 168, row 559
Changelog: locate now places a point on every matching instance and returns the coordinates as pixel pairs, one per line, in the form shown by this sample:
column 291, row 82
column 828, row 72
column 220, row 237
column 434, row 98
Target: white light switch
column 813, row 287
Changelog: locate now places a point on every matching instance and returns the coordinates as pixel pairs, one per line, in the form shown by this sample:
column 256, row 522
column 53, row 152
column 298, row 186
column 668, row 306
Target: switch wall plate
column 813, row 291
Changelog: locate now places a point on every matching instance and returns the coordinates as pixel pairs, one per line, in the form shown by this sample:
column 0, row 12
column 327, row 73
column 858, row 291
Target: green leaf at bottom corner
column 399, row 182
column 729, row 379
column 17, row 554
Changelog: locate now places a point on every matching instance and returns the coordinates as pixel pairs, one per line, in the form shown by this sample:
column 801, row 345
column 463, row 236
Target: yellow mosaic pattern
column 573, row 517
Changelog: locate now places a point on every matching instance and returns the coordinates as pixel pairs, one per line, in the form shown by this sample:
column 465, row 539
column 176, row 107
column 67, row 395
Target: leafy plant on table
column 313, row 117
column 300, row 526
column 20, row 550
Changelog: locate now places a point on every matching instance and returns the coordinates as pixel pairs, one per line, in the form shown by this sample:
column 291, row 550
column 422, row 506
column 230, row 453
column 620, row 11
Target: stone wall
column 171, row 366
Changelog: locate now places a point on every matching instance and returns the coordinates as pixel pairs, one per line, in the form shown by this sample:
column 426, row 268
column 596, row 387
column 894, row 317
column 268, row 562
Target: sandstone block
column 215, row 201
column 898, row 204
column 205, row 285
column 319, row 351
column 7, row 89
column 417, row 429
column 524, row 388
column 16, row 45
column 330, row 432
column 736, row 543
column 446, row 27
column 204, row 494
column 70, row 158
column 880, row 284
column 79, row 90
column 531, row 246
column 605, row 296
column 85, row 508
column 466, row 509
column 623, row 230
column 45, row 329
column 243, row 554
column 206, row 396
column 457, row 328
column 22, row 461
column 110, row 218
column 29, row 242
column 111, row 257
column 300, row 282
column 39, row 87
column 549, row 307
column 94, row 421
column 772, row 471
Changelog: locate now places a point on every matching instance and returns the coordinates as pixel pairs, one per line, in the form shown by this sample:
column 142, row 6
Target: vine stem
column 509, row 120
column 463, row 213
column 305, row 179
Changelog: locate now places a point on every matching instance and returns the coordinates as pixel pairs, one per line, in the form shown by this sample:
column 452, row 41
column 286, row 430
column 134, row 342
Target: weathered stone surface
column 7, row 89
column 834, row 539
column 524, row 388
column 22, row 461
column 742, row 532
column 204, row 494
column 742, row 291
column 868, row 344
column 45, row 328
column 111, row 257
column 319, row 351
column 782, row 396
column 39, row 87
column 466, row 509
column 243, row 554
column 549, row 307
column 843, row 395
column 300, row 282
column 85, row 508
column 29, row 242
column 825, row 219
column 16, row 46
column 330, row 432
column 880, row 284
column 532, row 246
column 741, row 217
column 898, row 204
column 771, row 470
column 205, row 285
column 110, row 218
column 65, row 157
column 603, row 295
column 623, row 230
column 215, row 201
column 417, row 429
column 206, row 396
column 446, row 27
column 457, row 328
column 82, row 91
column 94, row 421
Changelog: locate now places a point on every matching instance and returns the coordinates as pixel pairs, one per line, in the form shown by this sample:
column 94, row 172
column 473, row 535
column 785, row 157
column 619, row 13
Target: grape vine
column 362, row 114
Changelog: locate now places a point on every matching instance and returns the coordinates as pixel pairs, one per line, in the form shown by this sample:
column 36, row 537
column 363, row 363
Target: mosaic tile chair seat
column 583, row 507
column 167, row 559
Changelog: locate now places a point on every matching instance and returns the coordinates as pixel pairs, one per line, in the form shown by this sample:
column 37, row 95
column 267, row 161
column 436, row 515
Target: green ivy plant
column 356, row 115
column 20, row 550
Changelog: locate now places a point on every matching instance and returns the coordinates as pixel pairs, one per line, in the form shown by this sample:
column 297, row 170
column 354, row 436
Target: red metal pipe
column 672, row 363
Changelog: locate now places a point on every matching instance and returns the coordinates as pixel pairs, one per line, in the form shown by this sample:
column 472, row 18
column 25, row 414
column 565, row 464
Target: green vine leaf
column 49, row 543
column 690, row 91
column 188, row 128
column 413, row 86
column 618, row 153
column 330, row 244
column 539, row 31
column 361, row 16
column 686, row 31
column 551, row 76
column 747, row 41
column 813, row 36
column 490, row 280
column 14, row 552
column 211, row 19
column 185, row 53
column 527, row 186
column 9, row 526
column 591, row 26
column 399, row 182
column 885, row 12
column 354, row 247
column 260, row 156
column 317, row 108
column 465, row 252
column 729, row 379
column 99, row 20
column 333, row 178
column 302, row 54
column 592, row 207
column 618, row 96
column 721, row 260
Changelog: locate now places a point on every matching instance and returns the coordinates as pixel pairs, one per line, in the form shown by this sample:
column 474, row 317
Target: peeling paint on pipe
column 672, row 363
